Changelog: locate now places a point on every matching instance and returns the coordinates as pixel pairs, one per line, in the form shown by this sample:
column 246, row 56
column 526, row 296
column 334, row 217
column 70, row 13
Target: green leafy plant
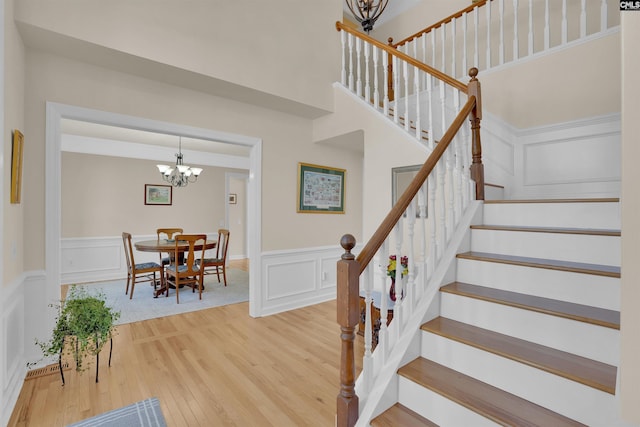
column 83, row 325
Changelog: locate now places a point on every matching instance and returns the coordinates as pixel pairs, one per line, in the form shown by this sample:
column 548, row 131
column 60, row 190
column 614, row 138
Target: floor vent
column 47, row 370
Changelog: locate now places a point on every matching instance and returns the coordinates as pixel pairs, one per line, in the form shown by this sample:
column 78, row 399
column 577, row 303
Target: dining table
column 169, row 246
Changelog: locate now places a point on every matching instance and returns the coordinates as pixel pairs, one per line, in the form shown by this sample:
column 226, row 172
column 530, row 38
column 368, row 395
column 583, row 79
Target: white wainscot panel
column 328, row 272
column 582, row 159
column 291, row 278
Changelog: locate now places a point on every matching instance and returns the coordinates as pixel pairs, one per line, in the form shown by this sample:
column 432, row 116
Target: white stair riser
column 581, row 248
column 586, row 289
column 592, row 341
column 569, row 398
column 437, row 408
column 599, row 215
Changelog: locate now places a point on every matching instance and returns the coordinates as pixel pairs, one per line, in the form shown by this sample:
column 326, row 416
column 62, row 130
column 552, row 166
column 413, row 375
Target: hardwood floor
column 211, row 367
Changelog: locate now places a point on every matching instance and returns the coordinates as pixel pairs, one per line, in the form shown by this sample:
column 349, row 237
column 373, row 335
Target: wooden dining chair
column 170, row 233
column 218, row 264
column 143, row 272
column 190, row 273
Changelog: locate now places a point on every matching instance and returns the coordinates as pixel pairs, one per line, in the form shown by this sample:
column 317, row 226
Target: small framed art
column 157, row 194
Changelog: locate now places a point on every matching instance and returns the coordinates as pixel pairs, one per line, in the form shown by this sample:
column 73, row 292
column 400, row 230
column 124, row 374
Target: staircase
column 528, row 333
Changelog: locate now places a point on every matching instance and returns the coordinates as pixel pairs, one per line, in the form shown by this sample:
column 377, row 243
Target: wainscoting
column 91, row 259
column 298, row 278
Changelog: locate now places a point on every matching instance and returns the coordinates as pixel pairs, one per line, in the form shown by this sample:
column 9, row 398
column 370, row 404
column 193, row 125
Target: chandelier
column 367, row 12
column 181, row 175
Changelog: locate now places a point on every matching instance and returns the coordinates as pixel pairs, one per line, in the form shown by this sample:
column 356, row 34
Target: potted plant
column 83, row 326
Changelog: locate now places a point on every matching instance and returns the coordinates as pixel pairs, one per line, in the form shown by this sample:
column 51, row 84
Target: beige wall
column 630, row 315
column 238, row 218
column 281, row 47
column 104, row 196
column 286, row 141
column 568, row 85
column 13, row 218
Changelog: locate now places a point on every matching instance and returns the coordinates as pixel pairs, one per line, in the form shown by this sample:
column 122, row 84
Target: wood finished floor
column 211, row 367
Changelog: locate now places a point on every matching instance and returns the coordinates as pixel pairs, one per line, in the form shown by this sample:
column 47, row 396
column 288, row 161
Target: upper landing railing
column 420, row 226
column 491, row 33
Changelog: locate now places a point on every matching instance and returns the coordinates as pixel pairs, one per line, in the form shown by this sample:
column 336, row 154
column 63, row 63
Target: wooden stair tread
column 497, row 405
column 400, row 415
column 557, row 230
column 576, row 368
column 568, row 310
column 597, row 200
column 551, row 264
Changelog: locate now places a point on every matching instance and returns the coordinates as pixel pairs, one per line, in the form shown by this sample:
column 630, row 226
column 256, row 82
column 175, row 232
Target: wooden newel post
column 348, row 312
column 477, row 168
column 390, row 71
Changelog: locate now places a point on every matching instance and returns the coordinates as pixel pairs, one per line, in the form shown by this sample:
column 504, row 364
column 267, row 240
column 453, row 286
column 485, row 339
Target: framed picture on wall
column 320, row 189
column 157, row 194
column 233, row 198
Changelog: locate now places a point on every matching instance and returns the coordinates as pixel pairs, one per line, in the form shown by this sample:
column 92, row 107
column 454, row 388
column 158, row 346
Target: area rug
column 145, row 413
column 144, row 306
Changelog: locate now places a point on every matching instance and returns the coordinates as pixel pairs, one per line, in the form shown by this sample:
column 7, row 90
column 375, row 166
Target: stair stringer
column 384, row 391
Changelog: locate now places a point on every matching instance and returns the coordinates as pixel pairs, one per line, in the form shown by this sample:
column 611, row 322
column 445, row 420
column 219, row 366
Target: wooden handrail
column 420, row 65
column 403, row 202
column 441, row 22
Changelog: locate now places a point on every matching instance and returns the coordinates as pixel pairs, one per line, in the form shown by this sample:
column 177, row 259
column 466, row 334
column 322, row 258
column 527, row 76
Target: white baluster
column 488, row 9
column 583, row 19
column 383, row 340
column 430, row 102
column 398, row 314
column 351, row 77
column 418, row 115
column 385, row 82
column 453, row 49
column 359, row 61
column 476, row 53
column 367, row 361
column 434, row 249
column 603, row 16
column 410, row 296
column 546, row 24
column 530, row 27
column 564, row 22
column 422, row 207
column 376, row 76
column 442, row 206
column 456, row 168
column 464, row 43
column 405, row 68
column 343, row 39
column 367, row 84
column 433, row 48
column 501, row 46
column 443, row 48
column 516, row 41
column 396, row 89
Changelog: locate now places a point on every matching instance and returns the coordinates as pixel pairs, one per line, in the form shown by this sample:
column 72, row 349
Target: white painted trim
column 108, row 147
column 12, row 372
column 56, row 112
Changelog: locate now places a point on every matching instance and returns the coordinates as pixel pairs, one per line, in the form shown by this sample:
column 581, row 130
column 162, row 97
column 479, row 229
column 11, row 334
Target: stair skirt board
column 569, row 398
column 581, row 248
column 587, row 289
column 586, row 340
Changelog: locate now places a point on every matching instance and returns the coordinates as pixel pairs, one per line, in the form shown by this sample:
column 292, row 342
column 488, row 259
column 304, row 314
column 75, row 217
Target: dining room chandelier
column 180, row 175
column 367, row 12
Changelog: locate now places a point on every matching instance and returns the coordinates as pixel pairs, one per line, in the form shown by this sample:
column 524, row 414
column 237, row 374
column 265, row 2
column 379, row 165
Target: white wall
column 630, row 315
